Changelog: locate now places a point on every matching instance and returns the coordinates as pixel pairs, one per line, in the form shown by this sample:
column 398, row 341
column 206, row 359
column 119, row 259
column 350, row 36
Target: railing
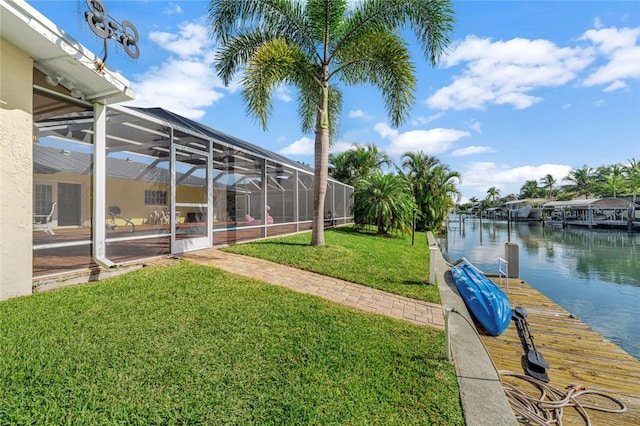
column 503, row 269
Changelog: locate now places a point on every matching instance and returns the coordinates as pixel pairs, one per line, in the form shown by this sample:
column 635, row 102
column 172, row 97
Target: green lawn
column 386, row 263
column 190, row 344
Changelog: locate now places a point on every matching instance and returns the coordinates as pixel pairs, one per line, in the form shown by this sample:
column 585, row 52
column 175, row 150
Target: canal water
column 593, row 274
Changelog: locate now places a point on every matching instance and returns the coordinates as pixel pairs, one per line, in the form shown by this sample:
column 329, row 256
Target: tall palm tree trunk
column 321, row 168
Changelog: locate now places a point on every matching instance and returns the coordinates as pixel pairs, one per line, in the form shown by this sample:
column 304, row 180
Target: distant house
column 88, row 185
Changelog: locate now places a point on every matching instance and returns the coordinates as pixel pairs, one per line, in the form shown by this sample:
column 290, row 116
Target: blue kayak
column 486, row 301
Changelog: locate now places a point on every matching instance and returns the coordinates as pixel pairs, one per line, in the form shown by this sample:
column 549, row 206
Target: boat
column 529, row 209
column 485, row 300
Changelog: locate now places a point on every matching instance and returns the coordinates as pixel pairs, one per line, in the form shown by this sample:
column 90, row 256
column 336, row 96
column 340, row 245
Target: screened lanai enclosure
column 166, row 184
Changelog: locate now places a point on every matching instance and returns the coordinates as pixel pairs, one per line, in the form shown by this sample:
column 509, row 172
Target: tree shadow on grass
column 355, row 230
column 279, row 243
column 415, row 282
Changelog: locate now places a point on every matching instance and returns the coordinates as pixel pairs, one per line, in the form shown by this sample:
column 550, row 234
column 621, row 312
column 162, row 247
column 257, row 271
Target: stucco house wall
column 16, row 171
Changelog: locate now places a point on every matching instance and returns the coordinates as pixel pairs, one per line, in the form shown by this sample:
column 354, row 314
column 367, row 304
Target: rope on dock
column 548, row 408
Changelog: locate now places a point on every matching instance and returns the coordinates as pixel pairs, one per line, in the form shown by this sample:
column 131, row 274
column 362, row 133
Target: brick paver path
column 355, row 296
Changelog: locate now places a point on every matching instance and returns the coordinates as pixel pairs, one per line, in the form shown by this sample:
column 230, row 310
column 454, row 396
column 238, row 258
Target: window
column 155, row 198
column 43, row 197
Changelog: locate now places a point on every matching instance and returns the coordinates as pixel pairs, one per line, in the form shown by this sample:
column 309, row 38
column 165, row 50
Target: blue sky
column 527, row 88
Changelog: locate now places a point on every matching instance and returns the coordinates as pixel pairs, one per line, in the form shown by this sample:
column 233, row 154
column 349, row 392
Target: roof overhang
column 527, row 201
column 57, row 54
column 605, row 203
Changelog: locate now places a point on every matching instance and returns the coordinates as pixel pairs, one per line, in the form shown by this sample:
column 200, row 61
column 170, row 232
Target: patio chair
column 42, row 222
column 164, row 216
column 115, row 213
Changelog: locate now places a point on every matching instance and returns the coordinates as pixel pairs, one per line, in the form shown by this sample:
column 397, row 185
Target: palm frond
column 325, row 18
column 431, row 21
column 236, row 53
column 281, row 18
column 383, row 60
column 309, row 99
column 275, row 62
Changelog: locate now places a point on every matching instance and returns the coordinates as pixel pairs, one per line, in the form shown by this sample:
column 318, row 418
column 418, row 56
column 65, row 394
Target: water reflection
column 594, row 274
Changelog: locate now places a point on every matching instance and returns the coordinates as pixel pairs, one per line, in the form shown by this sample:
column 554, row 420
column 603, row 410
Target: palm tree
column 610, row 180
column 369, row 159
column 493, row 193
column 341, row 167
column 419, row 167
column 433, row 186
column 313, row 45
column 547, row 182
column 530, row 189
column 384, row 200
column 632, row 175
column 582, row 180
column 442, row 191
column 357, row 163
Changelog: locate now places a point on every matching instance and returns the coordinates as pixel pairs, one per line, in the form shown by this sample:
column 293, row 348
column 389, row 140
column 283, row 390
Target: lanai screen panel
column 305, row 200
column 238, row 189
column 329, row 204
column 191, row 216
column 138, row 187
column 62, row 184
column 349, row 206
column 340, row 216
column 281, row 187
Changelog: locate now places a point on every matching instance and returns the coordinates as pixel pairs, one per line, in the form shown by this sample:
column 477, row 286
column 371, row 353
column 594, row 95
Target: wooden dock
column 576, row 355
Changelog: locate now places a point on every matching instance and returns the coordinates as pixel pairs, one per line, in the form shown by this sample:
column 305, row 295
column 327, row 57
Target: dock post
column 512, row 255
column 432, row 264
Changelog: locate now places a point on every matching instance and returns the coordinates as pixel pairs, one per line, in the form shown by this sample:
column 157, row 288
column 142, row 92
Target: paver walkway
column 355, row 296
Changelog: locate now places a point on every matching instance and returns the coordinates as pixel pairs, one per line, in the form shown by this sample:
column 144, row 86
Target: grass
column 190, row 344
column 386, row 263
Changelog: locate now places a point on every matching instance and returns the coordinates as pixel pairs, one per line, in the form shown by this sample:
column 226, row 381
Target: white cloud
column 597, row 22
column 283, row 94
column 385, row 131
column 432, row 141
column 471, row 150
column 506, row 72
column 421, row 121
column 341, row 146
column 476, row 125
column 172, row 9
column 566, row 106
column 166, row 86
column 616, row 85
column 185, row 83
column 303, row 146
column 619, row 47
column 192, row 40
column 480, row 176
column 600, row 103
column 358, row 113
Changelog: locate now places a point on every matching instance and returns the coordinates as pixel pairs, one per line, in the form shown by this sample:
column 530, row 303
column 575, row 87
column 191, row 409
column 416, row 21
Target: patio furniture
column 115, row 213
column 164, row 215
column 43, row 221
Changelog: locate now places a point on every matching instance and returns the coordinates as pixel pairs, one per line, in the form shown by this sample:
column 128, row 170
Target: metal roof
column 146, row 131
column 50, row 160
column 210, row 133
column 527, row 201
column 606, row 203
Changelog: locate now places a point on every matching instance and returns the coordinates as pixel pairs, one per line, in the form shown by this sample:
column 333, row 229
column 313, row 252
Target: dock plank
column 575, row 352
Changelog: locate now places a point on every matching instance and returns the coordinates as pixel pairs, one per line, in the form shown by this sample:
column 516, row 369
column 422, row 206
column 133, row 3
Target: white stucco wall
column 16, row 171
